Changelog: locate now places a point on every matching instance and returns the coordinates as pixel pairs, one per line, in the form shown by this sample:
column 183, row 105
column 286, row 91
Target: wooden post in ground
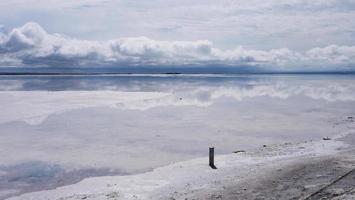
column 212, row 158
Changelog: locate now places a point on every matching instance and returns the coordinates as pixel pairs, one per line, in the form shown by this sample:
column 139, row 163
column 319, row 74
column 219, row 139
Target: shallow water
column 124, row 124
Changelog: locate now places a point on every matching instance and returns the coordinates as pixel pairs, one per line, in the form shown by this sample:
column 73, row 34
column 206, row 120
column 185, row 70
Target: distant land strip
column 167, row 73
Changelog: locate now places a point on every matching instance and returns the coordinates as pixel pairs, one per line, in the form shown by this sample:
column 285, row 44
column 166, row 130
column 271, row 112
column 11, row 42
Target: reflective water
column 55, row 127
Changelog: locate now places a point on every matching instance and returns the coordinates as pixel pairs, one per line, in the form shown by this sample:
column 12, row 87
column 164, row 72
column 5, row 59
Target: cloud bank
column 254, row 24
column 31, row 45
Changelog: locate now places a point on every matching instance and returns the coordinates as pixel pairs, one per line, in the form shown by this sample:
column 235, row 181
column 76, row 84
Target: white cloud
column 32, row 45
column 333, row 54
column 257, row 24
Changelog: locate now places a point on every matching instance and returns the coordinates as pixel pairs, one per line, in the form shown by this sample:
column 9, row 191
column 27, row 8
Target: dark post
column 212, row 158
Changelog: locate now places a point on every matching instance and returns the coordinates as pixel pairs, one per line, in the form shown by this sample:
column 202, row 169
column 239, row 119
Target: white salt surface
column 187, row 177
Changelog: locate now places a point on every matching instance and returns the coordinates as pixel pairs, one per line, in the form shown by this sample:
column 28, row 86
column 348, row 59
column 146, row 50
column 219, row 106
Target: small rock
column 216, row 196
column 239, row 151
column 113, row 195
column 326, row 138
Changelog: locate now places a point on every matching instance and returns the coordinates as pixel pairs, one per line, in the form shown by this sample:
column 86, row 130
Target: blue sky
column 289, row 34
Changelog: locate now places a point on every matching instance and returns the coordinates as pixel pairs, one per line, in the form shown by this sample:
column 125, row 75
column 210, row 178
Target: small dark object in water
column 326, row 138
column 264, row 145
column 239, row 151
column 180, row 98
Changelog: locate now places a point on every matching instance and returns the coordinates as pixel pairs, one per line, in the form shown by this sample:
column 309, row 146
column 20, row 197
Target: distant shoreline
column 167, row 73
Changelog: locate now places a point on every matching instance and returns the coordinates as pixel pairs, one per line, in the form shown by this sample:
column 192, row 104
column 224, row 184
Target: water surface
column 55, row 127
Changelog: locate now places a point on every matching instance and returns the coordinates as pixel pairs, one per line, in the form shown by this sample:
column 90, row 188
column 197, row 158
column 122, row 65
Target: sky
column 286, row 35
